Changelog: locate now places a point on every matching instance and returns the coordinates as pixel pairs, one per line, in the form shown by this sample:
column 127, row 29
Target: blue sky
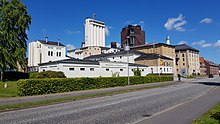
column 195, row 22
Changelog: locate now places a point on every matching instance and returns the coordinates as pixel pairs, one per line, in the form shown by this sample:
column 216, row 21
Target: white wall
column 104, row 69
column 38, row 53
column 94, row 33
column 160, row 69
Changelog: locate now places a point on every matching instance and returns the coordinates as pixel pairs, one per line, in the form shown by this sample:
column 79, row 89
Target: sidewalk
column 17, row 100
column 186, row 113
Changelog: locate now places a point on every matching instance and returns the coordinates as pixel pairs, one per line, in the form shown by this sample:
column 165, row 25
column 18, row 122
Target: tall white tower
column 168, row 40
column 94, row 33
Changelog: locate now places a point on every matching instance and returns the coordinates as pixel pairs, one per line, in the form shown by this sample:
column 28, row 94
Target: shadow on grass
column 216, row 116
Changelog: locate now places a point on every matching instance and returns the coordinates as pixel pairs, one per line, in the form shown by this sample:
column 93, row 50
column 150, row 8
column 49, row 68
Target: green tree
column 137, row 72
column 14, row 22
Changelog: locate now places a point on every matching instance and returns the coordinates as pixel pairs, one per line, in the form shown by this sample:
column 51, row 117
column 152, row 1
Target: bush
column 47, row 74
column 137, row 72
column 33, row 75
column 30, row 87
column 15, row 75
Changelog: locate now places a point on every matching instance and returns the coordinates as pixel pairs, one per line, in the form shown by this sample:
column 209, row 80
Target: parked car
column 210, row 75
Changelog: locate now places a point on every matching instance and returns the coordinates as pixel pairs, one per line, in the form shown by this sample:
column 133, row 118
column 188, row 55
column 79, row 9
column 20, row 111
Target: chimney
column 46, row 39
column 168, row 40
column 113, row 45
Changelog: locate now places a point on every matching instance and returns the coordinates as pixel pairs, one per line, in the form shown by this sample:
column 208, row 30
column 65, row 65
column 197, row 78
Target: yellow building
column 187, row 60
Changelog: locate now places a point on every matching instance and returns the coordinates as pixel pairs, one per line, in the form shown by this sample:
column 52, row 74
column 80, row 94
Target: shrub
column 137, row 72
column 15, row 75
column 49, row 74
column 30, row 87
column 33, row 75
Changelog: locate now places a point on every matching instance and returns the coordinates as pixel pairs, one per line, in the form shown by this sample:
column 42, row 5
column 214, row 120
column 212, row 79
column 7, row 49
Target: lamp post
column 127, row 48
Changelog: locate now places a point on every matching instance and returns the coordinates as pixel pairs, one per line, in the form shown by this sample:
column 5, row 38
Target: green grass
column 73, row 98
column 211, row 117
column 10, row 91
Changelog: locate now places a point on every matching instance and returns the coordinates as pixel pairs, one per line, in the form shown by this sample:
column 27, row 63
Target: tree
column 137, row 72
column 14, row 21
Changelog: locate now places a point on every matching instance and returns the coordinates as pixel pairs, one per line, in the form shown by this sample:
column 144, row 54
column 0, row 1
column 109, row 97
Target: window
column 167, row 69
column 183, row 64
column 59, row 53
column 91, row 69
column 120, row 57
column 48, row 53
column 183, row 55
column 132, row 69
column 183, row 59
column 82, row 69
column 107, row 69
column 113, row 57
column 164, row 69
column 71, row 69
column 152, row 70
column 142, row 69
column 121, row 69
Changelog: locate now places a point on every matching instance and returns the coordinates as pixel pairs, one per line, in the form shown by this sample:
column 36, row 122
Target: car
column 210, row 75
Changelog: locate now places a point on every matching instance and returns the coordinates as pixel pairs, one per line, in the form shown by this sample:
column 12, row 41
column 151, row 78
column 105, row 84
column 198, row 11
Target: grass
column 211, row 117
column 73, row 98
column 10, row 91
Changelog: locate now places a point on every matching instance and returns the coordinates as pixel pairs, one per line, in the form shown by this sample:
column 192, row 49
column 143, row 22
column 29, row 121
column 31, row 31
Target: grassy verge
column 211, row 117
column 73, row 98
column 10, row 91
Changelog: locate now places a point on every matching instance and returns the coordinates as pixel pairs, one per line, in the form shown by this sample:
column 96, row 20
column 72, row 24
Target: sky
column 194, row 22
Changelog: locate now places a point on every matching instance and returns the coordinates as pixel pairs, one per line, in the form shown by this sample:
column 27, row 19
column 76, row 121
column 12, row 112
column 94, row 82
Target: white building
column 84, row 52
column 42, row 51
column 86, row 68
column 94, row 33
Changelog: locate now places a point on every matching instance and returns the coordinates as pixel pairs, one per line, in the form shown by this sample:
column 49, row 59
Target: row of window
column 52, row 48
column 164, row 70
column 92, row 69
column 50, row 53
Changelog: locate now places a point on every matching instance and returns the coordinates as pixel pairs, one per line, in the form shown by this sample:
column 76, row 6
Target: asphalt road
column 118, row 109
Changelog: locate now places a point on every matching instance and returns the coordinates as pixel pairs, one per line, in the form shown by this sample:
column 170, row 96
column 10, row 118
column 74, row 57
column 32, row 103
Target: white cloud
column 206, row 45
column 182, row 42
column 206, row 20
column 129, row 22
column 202, row 43
column 199, row 42
column 71, row 32
column 107, row 31
column 176, row 23
column 217, row 44
column 70, row 47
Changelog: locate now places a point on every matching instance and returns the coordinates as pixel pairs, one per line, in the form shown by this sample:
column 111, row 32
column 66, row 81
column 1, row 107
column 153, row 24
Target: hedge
column 47, row 74
column 29, row 87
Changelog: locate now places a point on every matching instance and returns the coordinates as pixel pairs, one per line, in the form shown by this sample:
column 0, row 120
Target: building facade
column 203, row 68
column 187, row 60
column 212, row 68
column 42, row 51
column 85, row 68
column 94, row 33
column 133, row 35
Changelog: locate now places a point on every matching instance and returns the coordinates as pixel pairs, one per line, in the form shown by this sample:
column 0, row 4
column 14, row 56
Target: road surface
column 124, row 108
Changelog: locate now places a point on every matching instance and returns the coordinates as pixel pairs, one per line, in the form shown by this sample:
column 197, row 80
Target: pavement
column 187, row 112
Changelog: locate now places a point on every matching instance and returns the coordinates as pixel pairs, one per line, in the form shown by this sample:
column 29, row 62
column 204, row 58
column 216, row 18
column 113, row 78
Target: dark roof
column 211, row 63
column 149, row 45
column 114, row 54
column 72, row 61
column 51, row 43
column 183, row 47
column 152, row 56
column 133, row 64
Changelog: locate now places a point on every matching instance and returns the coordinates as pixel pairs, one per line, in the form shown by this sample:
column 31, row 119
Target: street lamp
column 127, row 48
